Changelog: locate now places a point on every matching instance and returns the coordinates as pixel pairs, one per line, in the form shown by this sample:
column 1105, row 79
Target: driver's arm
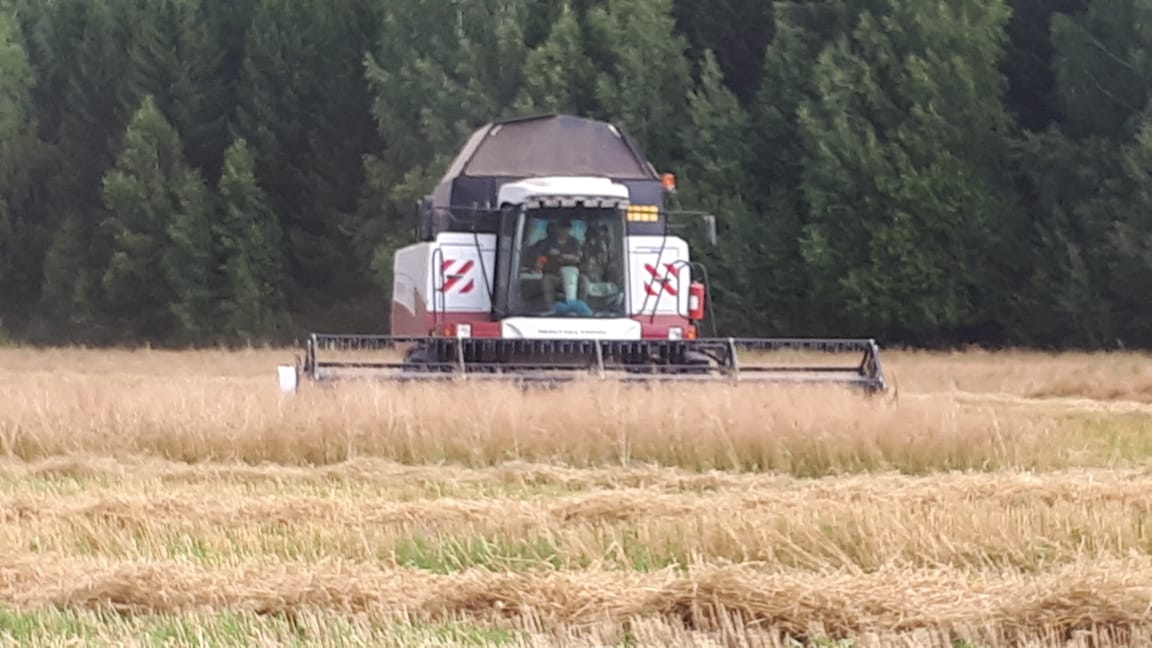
column 529, row 259
column 571, row 253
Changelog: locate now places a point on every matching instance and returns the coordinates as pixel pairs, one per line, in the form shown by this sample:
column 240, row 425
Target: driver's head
column 561, row 230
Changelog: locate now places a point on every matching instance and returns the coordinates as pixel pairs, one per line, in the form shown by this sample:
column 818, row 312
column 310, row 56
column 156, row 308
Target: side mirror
column 710, row 225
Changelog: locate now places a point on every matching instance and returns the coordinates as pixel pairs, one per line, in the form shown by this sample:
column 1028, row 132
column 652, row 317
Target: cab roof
column 550, row 145
column 562, row 189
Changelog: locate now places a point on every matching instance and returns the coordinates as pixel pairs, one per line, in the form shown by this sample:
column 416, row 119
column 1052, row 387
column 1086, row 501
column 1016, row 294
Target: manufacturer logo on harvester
column 578, row 332
column 455, row 275
column 660, row 284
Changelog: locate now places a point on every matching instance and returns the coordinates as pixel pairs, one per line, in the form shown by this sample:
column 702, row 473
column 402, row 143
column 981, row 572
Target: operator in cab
column 557, row 254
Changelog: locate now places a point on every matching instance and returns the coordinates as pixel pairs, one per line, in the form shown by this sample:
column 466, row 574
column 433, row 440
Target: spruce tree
column 1130, row 240
column 735, row 31
column 1028, row 64
column 439, row 71
column 177, row 60
column 83, row 104
column 16, row 142
column 1088, row 185
column 303, row 107
column 777, row 273
column 558, row 75
column 908, row 219
column 1102, row 67
column 253, row 307
column 714, row 178
column 158, row 283
column 25, row 228
column 1067, row 302
column 644, row 78
column 190, row 260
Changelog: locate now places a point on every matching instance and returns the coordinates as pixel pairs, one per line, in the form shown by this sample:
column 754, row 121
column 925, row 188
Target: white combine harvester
column 546, row 253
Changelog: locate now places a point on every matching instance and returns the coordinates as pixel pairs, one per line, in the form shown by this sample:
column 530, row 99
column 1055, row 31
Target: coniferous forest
column 926, row 172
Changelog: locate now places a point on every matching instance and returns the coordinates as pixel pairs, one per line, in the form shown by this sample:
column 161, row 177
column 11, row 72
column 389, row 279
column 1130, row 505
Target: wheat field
column 176, row 498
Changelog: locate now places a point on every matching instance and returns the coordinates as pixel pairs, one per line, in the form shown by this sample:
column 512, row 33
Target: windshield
column 570, row 262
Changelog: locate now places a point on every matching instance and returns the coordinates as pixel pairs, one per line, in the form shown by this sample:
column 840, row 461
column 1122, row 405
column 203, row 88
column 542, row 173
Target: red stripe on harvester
column 453, row 279
column 665, row 282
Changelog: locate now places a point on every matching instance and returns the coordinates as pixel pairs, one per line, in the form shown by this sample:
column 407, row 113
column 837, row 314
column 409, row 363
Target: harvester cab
column 547, row 253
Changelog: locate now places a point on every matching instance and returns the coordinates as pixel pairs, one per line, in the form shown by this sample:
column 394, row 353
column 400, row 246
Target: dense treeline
column 923, row 171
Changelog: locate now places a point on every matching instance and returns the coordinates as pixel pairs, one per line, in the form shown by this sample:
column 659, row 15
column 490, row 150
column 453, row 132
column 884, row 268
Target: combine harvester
column 546, row 254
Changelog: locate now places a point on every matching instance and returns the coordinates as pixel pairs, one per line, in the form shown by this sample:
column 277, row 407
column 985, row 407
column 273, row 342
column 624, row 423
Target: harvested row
column 368, row 478
column 182, row 492
column 977, row 522
column 35, row 629
column 1112, row 594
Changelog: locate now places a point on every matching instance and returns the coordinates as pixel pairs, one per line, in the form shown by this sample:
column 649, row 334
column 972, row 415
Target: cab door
column 507, row 262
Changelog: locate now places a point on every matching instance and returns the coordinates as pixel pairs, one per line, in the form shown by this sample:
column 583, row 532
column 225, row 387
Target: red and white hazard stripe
column 658, row 283
column 455, row 272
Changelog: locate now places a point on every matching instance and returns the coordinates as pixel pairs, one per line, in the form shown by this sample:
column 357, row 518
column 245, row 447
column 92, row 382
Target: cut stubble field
column 153, row 497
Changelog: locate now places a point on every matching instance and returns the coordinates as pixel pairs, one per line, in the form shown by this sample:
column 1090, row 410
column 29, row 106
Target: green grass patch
column 23, row 627
column 56, row 627
column 445, row 555
column 622, row 548
column 1108, row 440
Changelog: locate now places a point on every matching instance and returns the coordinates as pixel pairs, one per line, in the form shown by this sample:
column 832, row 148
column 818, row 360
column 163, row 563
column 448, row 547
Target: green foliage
column 716, row 179
column 558, row 75
column 903, row 143
column 1103, row 67
column 769, row 278
column 71, row 285
column 1130, row 239
column 1089, row 181
column 176, row 60
column 250, row 241
column 1065, row 303
column 189, row 262
column 303, row 107
column 436, row 73
column 83, row 103
column 641, row 58
column 735, row 31
column 15, row 140
column 159, row 277
column 1027, row 65
column 932, row 172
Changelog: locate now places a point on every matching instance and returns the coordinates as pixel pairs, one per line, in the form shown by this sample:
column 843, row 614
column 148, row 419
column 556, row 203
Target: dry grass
column 176, row 407
column 1101, row 376
column 1002, row 499
column 856, row 524
column 195, row 419
column 1001, row 606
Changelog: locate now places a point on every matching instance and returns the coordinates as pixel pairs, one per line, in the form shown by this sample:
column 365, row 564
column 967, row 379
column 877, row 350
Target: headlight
column 675, row 333
column 463, row 330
